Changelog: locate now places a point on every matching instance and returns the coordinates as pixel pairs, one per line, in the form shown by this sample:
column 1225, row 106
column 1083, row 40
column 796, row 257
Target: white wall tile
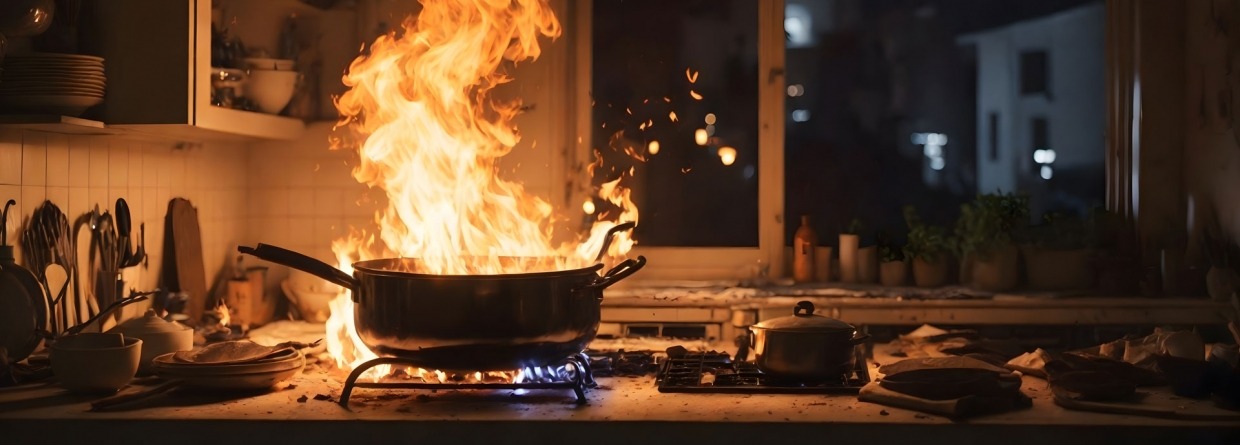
column 34, row 158
column 79, row 161
column 118, row 166
column 10, row 156
column 98, row 166
column 57, row 160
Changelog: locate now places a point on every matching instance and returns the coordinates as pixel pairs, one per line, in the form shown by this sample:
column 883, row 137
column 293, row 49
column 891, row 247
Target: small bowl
column 158, row 337
column 313, row 305
column 271, row 89
column 262, row 63
column 95, row 362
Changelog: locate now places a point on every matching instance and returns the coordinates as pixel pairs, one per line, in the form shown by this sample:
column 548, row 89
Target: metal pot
column 804, row 346
column 467, row 322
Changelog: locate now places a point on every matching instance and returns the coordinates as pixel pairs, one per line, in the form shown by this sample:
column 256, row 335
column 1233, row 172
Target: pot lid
column 149, row 323
column 804, row 319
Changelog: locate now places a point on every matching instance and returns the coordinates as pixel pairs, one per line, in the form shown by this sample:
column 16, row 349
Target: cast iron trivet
column 716, row 372
column 571, row 373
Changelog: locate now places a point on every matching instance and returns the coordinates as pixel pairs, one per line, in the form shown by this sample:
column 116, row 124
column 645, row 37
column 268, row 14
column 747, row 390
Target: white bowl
column 158, row 337
column 261, row 63
column 271, row 89
column 314, row 306
column 95, row 362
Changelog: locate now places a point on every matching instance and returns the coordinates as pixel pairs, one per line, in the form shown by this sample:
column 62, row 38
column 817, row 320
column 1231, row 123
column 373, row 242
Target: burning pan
column 467, row 322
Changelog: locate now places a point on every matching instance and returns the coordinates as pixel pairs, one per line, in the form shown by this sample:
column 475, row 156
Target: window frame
column 1124, row 128
column 707, row 263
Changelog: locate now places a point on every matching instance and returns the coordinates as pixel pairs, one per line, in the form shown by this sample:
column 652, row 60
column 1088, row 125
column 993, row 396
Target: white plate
column 56, row 56
column 23, row 83
column 50, row 92
column 18, row 86
column 257, row 380
column 68, row 105
column 16, row 72
column 52, row 77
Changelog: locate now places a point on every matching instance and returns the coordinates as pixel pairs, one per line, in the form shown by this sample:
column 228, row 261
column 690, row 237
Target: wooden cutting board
column 1152, row 402
column 183, row 263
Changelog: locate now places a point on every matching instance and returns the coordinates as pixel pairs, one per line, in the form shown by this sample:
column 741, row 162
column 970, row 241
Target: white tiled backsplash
column 302, row 195
column 79, row 172
column 295, row 194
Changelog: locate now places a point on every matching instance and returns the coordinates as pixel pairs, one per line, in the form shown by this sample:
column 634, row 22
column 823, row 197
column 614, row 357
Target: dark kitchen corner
column 611, row 221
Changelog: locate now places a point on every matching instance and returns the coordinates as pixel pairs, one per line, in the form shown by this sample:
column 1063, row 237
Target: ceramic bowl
column 313, row 305
column 95, row 362
column 260, row 63
column 158, row 337
column 271, row 89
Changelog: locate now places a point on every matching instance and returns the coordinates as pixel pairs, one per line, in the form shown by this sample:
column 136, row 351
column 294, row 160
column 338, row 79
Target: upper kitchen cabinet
column 159, row 70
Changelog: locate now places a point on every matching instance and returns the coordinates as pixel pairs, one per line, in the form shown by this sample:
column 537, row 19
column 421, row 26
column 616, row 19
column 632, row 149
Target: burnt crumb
column 404, row 409
column 817, row 403
column 884, row 413
column 322, row 397
column 422, row 398
column 302, row 399
column 921, row 416
column 392, row 396
column 291, row 386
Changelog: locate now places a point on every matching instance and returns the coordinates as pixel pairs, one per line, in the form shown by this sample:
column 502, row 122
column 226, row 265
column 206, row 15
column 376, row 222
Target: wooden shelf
column 214, row 124
column 223, row 124
column 51, row 123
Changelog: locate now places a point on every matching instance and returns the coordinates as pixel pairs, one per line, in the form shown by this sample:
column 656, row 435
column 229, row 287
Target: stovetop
column 717, row 372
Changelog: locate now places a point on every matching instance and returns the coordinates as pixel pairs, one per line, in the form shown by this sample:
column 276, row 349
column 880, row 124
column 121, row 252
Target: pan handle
column 301, row 262
column 620, row 272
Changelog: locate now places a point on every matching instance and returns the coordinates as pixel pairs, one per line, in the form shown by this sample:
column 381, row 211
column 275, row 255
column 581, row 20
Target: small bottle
column 803, row 244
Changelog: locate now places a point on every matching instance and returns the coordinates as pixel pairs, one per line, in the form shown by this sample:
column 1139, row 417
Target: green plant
column 924, row 241
column 854, row 227
column 887, row 250
column 1062, row 232
column 989, row 222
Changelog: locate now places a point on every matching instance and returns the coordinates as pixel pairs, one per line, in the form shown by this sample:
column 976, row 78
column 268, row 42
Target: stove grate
column 717, row 372
column 577, row 367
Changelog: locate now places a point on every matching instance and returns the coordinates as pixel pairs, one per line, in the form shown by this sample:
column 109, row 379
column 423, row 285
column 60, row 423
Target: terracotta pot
column 1059, row 269
column 929, row 273
column 996, row 271
column 867, row 264
column 822, row 264
column 893, row 273
column 848, row 257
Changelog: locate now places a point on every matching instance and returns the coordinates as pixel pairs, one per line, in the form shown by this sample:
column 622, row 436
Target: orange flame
column 420, row 114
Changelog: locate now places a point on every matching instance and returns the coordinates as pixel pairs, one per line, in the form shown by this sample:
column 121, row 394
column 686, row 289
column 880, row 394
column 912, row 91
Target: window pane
column 699, row 187
column 930, row 102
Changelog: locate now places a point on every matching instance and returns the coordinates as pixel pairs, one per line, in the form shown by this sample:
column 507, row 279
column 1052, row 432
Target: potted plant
column 850, row 241
column 892, row 269
column 985, row 231
column 928, row 248
column 1059, row 253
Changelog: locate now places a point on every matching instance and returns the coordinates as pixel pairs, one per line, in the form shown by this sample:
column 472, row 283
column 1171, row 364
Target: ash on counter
column 622, row 363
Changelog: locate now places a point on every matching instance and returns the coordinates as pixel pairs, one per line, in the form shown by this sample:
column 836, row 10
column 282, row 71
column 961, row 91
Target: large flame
column 420, row 114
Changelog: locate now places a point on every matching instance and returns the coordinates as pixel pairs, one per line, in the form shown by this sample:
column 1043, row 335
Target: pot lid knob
column 803, row 309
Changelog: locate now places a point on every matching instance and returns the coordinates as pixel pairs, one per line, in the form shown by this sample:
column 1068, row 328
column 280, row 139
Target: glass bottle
column 803, row 244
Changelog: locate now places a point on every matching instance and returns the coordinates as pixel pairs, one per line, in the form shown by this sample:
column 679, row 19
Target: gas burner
column 575, row 375
column 716, row 372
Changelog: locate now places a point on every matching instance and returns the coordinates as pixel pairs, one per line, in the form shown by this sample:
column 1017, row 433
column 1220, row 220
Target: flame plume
column 419, row 112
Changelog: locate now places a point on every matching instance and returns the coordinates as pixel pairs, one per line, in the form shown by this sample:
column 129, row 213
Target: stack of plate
column 256, row 374
column 64, row 84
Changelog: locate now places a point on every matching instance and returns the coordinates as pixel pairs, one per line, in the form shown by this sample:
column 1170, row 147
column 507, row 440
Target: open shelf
column 52, row 123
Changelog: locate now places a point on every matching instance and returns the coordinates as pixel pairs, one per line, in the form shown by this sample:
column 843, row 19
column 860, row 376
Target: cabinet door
column 148, row 48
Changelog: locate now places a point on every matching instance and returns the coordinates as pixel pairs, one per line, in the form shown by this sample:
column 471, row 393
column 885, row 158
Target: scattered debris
column 884, row 413
column 322, row 397
column 302, row 399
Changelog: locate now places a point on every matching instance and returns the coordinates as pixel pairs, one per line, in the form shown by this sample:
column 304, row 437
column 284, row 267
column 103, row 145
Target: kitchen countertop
column 621, row 410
